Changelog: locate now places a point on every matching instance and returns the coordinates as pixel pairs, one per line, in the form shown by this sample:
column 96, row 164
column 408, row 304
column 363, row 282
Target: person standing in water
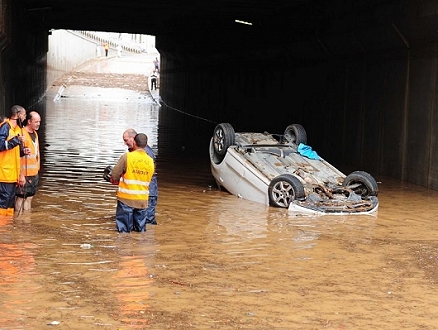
column 128, row 138
column 30, row 164
column 133, row 173
column 12, row 144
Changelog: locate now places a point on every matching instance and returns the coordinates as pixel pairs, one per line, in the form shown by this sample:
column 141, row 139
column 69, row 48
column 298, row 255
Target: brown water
column 213, row 261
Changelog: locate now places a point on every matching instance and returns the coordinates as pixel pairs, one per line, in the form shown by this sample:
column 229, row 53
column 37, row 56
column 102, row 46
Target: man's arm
column 119, row 169
column 4, row 133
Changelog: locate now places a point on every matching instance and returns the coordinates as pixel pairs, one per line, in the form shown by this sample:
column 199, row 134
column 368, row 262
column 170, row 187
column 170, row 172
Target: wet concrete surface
column 213, row 261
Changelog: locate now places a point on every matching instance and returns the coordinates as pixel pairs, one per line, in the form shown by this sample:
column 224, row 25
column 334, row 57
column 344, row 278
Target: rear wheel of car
column 223, row 137
column 362, row 183
column 284, row 189
column 296, row 133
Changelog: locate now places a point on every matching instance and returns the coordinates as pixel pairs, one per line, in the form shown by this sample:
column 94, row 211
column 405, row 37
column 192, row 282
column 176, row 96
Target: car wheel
column 296, row 134
column 362, row 183
column 284, row 189
column 223, row 137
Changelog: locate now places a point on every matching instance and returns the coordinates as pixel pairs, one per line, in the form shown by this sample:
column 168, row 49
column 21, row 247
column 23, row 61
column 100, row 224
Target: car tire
column 284, row 189
column 296, row 134
column 362, row 183
column 223, row 137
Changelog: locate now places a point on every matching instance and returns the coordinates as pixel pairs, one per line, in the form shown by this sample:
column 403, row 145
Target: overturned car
column 283, row 171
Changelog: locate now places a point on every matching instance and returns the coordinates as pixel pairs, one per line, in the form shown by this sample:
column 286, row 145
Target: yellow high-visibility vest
column 134, row 183
column 10, row 159
column 30, row 164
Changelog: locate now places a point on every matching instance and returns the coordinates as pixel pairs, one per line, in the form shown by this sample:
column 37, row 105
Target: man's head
column 33, row 121
column 18, row 113
column 128, row 137
column 141, row 140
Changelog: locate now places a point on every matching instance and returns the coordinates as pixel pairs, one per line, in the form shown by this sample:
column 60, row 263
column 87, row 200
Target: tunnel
column 360, row 76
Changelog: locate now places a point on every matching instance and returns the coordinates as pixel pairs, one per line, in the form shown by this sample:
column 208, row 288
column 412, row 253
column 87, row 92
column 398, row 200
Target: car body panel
column 240, row 178
column 255, row 159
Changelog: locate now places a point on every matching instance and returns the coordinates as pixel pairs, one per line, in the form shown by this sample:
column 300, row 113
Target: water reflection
column 134, row 278
column 17, row 262
column 245, row 228
column 82, row 138
column 213, row 261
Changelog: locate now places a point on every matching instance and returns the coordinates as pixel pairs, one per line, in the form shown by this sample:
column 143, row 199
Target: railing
column 133, row 43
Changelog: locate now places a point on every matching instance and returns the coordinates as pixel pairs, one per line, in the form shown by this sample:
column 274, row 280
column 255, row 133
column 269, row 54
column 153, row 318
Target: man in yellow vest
column 11, row 147
column 133, row 173
column 30, row 164
column 128, row 138
column 106, row 48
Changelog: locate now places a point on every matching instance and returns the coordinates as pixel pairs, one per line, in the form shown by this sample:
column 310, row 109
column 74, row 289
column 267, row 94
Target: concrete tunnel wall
column 22, row 59
column 67, row 50
column 375, row 112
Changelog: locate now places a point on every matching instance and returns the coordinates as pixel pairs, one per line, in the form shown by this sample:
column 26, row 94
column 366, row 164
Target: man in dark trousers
column 106, row 47
column 30, row 164
column 133, row 174
column 12, row 144
column 128, row 138
column 154, row 78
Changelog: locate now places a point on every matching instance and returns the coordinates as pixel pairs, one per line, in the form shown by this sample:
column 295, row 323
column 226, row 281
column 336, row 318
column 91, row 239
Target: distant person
column 154, row 78
column 157, row 65
column 30, row 164
column 128, row 138
column 12, row 144
column 106, row 48
column 133, row 174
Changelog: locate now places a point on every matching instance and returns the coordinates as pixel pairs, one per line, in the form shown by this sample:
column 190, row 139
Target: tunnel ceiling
column 171, row 16
column 335, row 26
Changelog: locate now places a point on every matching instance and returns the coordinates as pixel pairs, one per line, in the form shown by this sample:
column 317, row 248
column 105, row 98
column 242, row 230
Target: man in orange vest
column 11, row 148
column 133, row 173
column 30, row 164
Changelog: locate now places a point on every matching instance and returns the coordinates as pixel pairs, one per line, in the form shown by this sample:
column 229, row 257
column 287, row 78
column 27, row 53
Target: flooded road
column 213, row 261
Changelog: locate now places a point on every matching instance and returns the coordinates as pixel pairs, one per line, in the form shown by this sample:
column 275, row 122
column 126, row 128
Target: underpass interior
column 359, row 76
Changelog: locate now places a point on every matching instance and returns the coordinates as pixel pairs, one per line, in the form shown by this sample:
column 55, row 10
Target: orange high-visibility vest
column 30, row 164
column 134, row 183
column 10, row 159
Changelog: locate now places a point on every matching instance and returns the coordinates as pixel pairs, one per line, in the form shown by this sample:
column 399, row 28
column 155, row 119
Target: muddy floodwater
column 214, row 261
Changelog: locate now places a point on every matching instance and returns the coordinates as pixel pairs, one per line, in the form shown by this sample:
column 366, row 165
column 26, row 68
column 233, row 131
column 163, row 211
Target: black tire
column 362, row 183
column 284, row 189
column 296, row 134
column 223, row 137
